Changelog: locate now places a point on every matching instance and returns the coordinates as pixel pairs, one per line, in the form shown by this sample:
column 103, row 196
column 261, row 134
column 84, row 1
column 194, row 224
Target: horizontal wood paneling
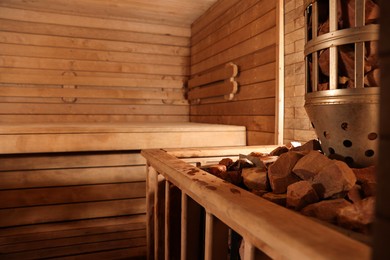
column 229, row 22
column 252, row 123
column 35, row 245
column 172, row 12
column 96, row 226
column 92, row 33
column 67, row 212
column 94, row 22
column 138, row 252
column 92, row 44
column 71, row 203
column 86, row 93
column 91, row 55
column 245, row 108
column 249, row 46
column 56, row 61
column 260, row 25
column 245, row 34
column 117, row 141
column 213, row 17
column 83, row 248
column 87, row 109
column 70, row 161
column 60, row 195
column 94, row 118
column 67, row 177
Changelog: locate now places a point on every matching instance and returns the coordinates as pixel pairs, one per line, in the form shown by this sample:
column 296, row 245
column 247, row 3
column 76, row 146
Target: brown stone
column 232, row 176
column 279, row 199
column 259, row 192
column 355, row 194
column 280, row 172
column 358, row 216
column 310, row 165
column 366, row 177
column 261, row 160
column 257, row 154
column 268, row 160
column 301, row 194
column 325, row 210
column 365, row 174
column 333, row 179
column 216, row 169
column 255, row 178
column 226, row 161
column 279, row 151
column 369, row 188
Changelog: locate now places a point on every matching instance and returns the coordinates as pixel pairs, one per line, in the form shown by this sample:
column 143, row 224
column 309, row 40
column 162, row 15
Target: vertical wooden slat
column 151, row 182
column 249, row 251
column 333, row 56
column 314, row 18
column 167, row 219
column 216, row 238
column 279, row 110
column 359, row 46
column 381, row 249
column 172, row 221
column 183, row 242
column 159, row 216
column 252, row 253
column 191, row 229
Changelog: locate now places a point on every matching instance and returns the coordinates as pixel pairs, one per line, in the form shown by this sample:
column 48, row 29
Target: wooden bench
column 78, row 191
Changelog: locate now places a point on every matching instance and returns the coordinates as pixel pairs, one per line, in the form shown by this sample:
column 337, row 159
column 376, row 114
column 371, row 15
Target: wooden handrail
column 216, row 83
column 276, row 231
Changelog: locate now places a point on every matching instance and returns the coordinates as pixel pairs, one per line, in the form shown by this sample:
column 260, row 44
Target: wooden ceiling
column 172, row 12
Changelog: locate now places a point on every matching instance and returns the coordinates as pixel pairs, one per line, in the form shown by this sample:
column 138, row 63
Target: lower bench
column 78, row 191
column 62, row 205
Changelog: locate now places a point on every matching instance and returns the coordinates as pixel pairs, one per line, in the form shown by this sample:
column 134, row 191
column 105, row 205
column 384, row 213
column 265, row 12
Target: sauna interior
column 86, row 85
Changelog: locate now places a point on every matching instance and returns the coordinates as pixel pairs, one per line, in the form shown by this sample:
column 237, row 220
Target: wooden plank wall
column 245, row 33
column 71, row 68
column 56, row 205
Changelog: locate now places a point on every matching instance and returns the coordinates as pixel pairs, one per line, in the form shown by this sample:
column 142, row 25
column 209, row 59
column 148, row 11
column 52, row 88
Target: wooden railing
column 191, row 214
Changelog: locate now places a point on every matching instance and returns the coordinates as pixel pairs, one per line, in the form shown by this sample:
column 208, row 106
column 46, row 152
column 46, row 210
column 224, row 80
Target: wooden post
column 159, row 217
column 252, row 253
column 216, row 238
column 151, row 180
column 167, row 217
column 191, row 229
column 382, row 220
column 249, row 251
column 172, row 221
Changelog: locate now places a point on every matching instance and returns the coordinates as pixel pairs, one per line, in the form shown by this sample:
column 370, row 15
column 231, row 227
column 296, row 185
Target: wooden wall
column 65, row 204
column 57, row 66
column 245, row 33
column 297, row 126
